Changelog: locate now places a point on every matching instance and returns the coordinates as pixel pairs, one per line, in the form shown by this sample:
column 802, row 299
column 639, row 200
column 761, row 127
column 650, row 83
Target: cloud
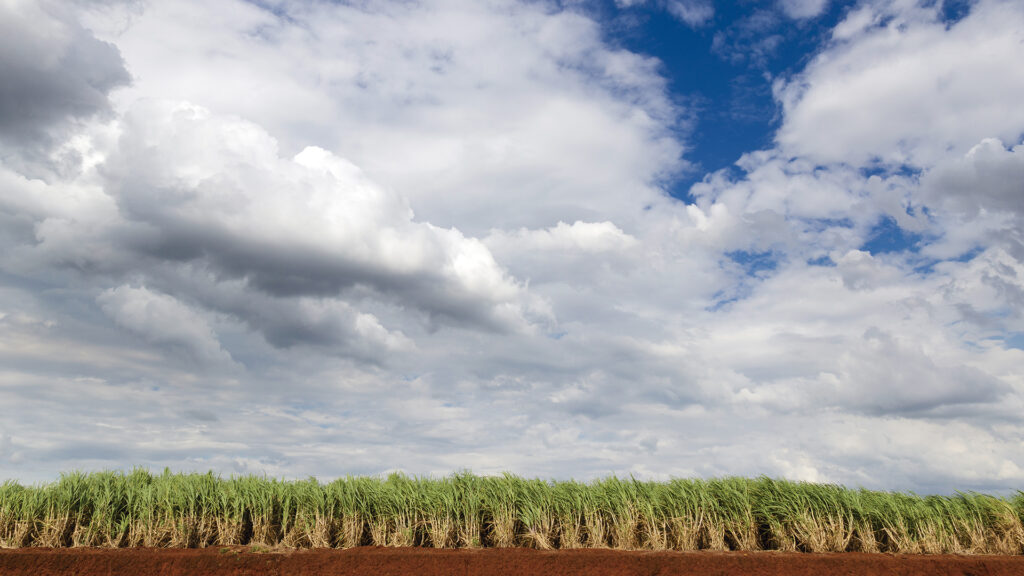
column 55, row 73
column 694, row 13
column 805, row 209
column 328, row 325
column 989, row 291
column 195, row 187
column 881, row 374
column 480, row 129
column 869, row 342
column 902, row 87
column 162, row 319
column 753, row 39
column 990, row 176
column 202, row 208
column 378, row 246
column 803, row 9
column 975, row 200
column 580, row 237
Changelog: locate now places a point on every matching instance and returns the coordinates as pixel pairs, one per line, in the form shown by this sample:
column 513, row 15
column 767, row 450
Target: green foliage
column 137, row 508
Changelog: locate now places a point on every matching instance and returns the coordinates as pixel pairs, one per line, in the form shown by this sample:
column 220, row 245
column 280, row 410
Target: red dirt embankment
column 240, row 561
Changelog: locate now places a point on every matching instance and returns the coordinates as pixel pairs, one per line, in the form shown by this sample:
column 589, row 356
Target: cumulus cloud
column 162, row 319
column 580, row 237
column 804, row 209
column 899, row 86
column 881, row 374
column 202, row 207
column 330, row 325
column 523, row 118
column 195, row 187
column 990, row 176
column 55, row 72
column 989, row 291
column 406, row 250
column 869, row 338
column 975, row 201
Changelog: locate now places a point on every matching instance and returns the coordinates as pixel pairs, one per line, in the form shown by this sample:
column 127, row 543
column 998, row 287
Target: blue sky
column 729, row 89
column 562, row 239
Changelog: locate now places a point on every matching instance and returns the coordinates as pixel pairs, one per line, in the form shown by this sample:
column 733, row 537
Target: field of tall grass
column 138, row 508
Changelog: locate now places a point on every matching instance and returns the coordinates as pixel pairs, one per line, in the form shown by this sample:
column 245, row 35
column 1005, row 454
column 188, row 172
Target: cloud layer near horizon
column 314, row 238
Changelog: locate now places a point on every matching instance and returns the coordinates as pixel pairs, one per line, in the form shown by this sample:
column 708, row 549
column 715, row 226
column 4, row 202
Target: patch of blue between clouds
column 953, row 11
column 880, row 168
column 1014, row 340
column 928, row 266
column 721, row 301
column 754, row 263
column 821, row 261
column 887, row 237
column 725, row 85
column 969, row 255
column 821, row 224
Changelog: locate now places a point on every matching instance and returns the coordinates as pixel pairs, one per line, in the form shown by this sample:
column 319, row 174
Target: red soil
column 239, row 561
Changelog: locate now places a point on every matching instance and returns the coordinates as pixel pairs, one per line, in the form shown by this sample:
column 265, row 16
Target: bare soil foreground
column 379, row 561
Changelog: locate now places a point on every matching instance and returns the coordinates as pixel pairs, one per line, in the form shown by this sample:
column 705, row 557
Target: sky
column 559, row 238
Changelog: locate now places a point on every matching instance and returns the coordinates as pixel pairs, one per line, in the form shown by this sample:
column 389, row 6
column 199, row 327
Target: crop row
column 194, row 510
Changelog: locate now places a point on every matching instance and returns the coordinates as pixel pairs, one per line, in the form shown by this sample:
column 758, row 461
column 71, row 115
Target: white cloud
column 583, row 237
column 162, row 319
column 990, row 176
column 694, row 13
column 909, row 90
column 803, row 9
column 976, row 200
column 802, row 208
column 195, row 187
column 431, row 236
column 855, row 22
column 478, row 128
column 884, row 374
column 988, row 291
